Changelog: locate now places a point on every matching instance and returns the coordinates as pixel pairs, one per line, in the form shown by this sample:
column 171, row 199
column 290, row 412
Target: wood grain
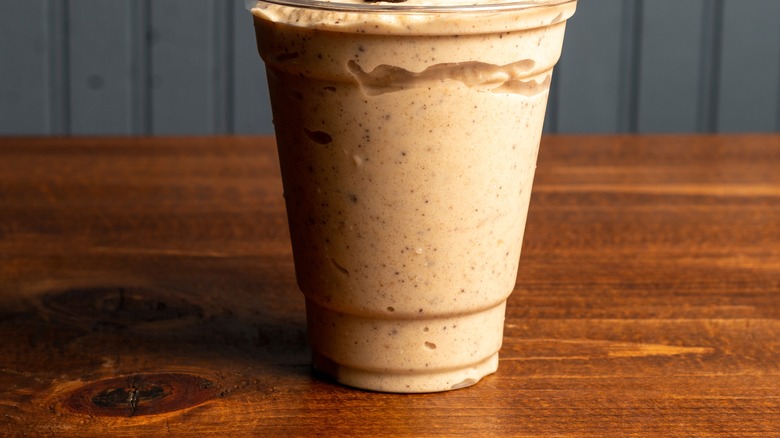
column 147, row 288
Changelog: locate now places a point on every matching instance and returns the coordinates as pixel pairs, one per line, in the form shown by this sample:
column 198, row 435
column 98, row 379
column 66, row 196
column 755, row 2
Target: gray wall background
column 190, row 67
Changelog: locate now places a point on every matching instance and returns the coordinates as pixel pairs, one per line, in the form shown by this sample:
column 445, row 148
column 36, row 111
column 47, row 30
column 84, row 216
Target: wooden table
column 146, row 288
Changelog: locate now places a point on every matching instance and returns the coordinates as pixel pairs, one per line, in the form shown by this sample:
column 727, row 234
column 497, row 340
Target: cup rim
column 396, row 8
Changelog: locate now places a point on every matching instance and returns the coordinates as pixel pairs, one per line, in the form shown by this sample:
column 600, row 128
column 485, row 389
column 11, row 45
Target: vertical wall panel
column 712, row 27
column 252, row 108
column 223, row 66
column 750, row 69
column 100, row 67
column 628, row 67
column 183, row 70
column 139, row 39
column 589, row 70
column 670, row 65
column 58, row 108
column 22, row 72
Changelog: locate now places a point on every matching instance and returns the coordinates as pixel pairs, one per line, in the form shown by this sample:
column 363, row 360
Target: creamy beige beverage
column 408, row 138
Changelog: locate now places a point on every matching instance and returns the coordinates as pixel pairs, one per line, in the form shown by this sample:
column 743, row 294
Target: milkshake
column 408, row 135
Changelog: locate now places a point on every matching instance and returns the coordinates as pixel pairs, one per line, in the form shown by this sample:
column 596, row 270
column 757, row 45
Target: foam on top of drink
column 415, row 16
column 401, row 4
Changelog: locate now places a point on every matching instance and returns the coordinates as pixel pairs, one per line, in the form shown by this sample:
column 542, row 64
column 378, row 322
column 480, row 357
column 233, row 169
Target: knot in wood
column 140, row 394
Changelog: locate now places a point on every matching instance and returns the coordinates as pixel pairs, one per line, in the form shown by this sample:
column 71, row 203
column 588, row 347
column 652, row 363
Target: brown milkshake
column 408, row 136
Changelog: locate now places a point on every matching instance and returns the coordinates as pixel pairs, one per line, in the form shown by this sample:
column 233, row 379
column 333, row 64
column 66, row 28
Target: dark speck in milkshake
column 319, row 137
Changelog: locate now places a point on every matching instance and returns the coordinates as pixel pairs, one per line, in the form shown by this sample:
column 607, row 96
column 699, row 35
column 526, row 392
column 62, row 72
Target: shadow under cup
column 408, row 138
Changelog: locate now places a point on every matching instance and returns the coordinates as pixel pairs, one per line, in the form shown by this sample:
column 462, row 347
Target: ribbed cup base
column 426, row 353
column 405, row 382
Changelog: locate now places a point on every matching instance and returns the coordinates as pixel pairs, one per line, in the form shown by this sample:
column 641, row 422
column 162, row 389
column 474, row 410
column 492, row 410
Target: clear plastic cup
column 408, row 135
